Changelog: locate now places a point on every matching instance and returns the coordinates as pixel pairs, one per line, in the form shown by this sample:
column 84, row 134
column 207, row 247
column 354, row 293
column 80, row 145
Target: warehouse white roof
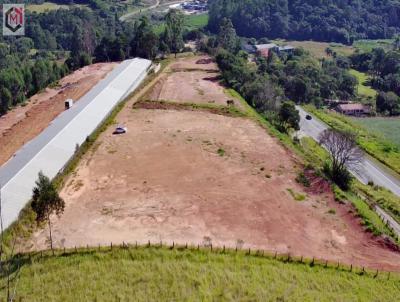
column 53, row 148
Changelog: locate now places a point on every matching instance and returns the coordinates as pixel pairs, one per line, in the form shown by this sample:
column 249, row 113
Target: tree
column 174, row 26
column 46, row 201
column 344, row 154
column 289, row 116
column 227, row 36
column 388, row 102
column 145, row 42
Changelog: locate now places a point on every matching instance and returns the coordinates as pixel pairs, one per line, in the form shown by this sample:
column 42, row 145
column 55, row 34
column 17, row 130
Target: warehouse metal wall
column 54, row 147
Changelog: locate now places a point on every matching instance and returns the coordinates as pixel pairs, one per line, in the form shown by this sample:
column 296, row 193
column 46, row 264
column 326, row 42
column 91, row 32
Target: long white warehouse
column 50, row 151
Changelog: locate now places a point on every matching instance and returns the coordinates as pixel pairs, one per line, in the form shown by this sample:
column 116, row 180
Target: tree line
column 61, row 41
column 322, row 20
column 277, row 78
column 384, row 70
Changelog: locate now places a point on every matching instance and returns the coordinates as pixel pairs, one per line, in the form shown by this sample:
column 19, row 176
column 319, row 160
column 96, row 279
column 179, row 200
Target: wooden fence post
column 351, row 267
column 111, row 246
column 301, row 259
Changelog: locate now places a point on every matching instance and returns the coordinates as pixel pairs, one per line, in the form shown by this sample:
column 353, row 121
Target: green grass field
column 162, row 274
column 317, row 49
column 363, row 89
column 46, row 6
column 192, row 22
column 388, row 127
column 368, row 45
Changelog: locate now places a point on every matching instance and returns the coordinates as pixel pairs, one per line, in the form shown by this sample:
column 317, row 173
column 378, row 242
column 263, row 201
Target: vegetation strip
column 241, row 273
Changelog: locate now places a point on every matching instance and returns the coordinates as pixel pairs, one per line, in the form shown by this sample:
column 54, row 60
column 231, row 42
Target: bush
column 341, row 177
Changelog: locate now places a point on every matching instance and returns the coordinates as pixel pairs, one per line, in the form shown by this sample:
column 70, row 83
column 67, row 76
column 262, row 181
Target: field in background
column 363, row 88
column 161, row 274
column 368, row 45
column 318, row 48
column 388, row 127
column 192, row 22
column 46, row 6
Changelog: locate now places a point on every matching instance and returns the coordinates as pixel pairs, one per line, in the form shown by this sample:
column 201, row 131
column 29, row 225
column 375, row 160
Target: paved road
column 369, row 170
column 139, row 11
column 128, row 15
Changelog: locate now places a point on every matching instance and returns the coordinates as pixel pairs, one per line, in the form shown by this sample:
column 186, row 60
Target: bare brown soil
column 199, row 177
column 192, row 80
column 22, row 124
column 165, row 180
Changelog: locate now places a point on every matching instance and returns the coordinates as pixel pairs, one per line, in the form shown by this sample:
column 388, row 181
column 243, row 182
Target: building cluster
column 265, row 49
column 196, row 5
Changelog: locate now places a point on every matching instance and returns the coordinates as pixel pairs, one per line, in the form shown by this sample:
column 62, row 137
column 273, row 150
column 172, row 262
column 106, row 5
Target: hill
column 164, row 274
column 321, row 20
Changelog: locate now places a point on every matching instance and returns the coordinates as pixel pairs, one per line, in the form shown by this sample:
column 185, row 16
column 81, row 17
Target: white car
column 120, row 130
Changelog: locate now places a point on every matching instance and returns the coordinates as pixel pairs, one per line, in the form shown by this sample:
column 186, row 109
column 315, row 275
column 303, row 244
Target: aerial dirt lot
column 192, row 80
column 198, row 177
column 24, row 123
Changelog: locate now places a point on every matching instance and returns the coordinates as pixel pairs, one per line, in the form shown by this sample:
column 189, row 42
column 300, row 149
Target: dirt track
column 22, row 124
column 196, row 177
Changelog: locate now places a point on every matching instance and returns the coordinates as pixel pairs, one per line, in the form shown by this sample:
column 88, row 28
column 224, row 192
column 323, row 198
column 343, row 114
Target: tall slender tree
column 46, row 201
column 174, row 30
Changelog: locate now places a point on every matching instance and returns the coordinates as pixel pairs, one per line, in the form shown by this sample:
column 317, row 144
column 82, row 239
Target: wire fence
column 283, row 257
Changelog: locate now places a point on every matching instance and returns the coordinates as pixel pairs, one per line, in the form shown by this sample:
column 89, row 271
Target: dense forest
column 321, row 20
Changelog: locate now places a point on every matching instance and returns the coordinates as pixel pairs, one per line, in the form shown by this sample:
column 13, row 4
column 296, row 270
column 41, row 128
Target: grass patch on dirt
column 296, row 196
column 363, row 88
column 208, row 107
column 163, row 274
column 374, row 144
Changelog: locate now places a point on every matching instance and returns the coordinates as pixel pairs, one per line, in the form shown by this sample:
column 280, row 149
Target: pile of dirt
column 317, row 184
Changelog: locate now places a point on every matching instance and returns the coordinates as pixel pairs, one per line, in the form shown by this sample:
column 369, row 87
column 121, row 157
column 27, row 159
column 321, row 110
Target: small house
column 265, row 49
column 355, row 109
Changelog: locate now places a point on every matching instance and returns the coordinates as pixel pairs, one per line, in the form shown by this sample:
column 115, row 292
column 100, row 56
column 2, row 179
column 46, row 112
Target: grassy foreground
column 164, row 274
